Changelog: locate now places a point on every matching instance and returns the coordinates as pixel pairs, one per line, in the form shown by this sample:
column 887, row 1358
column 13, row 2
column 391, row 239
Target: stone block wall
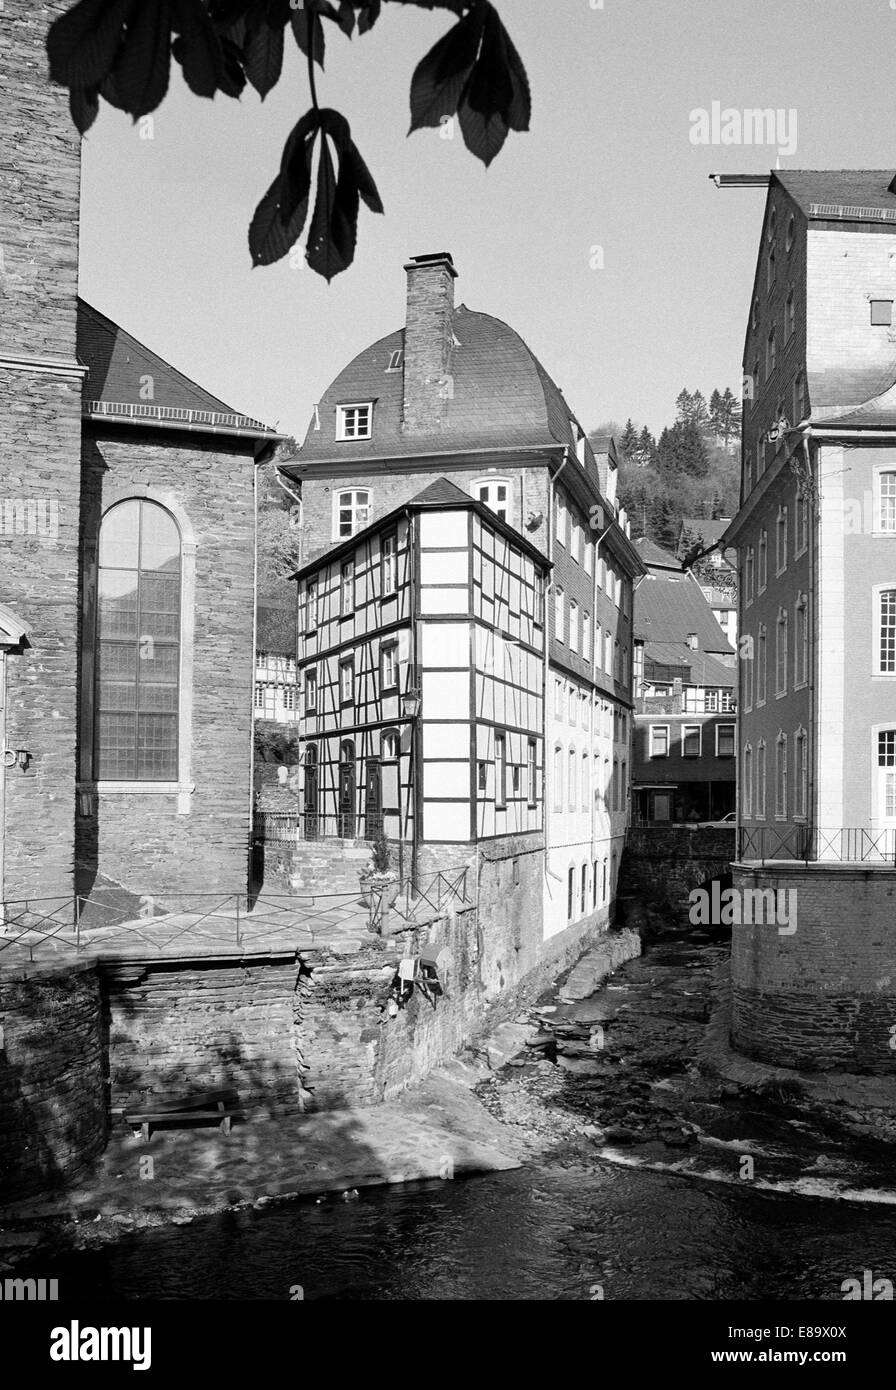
column 52, row 1097
column 198, row 843
column 40, row 418
column 662, row 866
column 181, row 1027
column 822, row 996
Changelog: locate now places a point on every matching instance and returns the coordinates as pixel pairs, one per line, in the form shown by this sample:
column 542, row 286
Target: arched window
column 138, row 644
column 390, row 746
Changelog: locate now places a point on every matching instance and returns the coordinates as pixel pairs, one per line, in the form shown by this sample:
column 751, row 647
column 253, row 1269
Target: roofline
column 466, row 504
column 385, row 461
column 122, row 413
column 98, row 313
column 824, row 432
column 740, row 180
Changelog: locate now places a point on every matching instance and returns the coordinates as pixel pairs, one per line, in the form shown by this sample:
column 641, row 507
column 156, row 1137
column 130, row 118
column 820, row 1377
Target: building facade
column 458, row 395
column 685, row 699
column 422, row 671
column 816, row 532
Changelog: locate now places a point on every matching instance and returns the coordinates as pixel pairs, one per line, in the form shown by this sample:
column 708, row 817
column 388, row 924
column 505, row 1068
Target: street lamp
column 410, row 704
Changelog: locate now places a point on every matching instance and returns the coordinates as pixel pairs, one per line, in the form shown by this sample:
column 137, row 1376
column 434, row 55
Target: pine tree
column 629, row 439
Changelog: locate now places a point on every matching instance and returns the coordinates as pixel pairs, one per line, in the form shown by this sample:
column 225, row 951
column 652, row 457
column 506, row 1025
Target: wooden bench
column 222, row 1106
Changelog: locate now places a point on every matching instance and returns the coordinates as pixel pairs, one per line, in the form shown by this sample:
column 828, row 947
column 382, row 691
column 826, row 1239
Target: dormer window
column 395, row 361
column 791, row 232
column 354, row 421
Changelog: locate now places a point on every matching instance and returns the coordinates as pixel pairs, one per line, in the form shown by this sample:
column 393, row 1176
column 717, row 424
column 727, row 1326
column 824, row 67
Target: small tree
column 381, row 853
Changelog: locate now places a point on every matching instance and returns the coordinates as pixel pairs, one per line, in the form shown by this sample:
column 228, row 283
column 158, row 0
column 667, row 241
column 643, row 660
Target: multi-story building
column 276, row 677
column 684, row 766
column 458, row 395
column 816, row 532
column 422, row 669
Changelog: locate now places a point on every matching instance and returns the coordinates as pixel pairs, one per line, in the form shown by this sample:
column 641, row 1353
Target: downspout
column 254, row 658
column 811, row 500
column 2, row 788
column 548, row 620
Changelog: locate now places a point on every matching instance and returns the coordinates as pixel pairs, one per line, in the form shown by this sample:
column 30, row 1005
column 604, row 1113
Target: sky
column 597, row 236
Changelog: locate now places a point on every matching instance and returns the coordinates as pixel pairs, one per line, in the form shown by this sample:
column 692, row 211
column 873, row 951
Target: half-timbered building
column 458, row 395
column 421, row 665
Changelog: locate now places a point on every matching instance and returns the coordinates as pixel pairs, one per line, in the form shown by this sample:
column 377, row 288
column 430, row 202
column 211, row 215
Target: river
column 573, row 1224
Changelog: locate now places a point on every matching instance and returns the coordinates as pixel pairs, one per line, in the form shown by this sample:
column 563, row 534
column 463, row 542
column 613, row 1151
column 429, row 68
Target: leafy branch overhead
column 120, row 51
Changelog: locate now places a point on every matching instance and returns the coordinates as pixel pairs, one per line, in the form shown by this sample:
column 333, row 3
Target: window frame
column 389, row 656
column 687, row 732
column 180, row 713
column 878, row 593
column 652, row 730
column 353, row 507
column 388, row 566
column 342, row 408
column 346, row 663
column 500, row 765
column 733, row 730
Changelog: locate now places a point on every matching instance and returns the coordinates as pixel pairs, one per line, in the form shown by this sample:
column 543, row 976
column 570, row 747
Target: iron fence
column 818, row 844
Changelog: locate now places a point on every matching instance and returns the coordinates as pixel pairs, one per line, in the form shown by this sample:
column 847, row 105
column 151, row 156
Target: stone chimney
column 428, row 343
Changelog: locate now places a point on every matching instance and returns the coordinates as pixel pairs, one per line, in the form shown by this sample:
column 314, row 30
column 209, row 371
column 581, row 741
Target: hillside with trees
column 693, row 469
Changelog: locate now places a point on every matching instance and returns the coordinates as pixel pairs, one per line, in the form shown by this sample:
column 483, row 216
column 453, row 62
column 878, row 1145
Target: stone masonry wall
column 662, row 866
column 824, row 995
column 40, row 414
column 173, row 1029
column 142, row 840
column 52, row 1098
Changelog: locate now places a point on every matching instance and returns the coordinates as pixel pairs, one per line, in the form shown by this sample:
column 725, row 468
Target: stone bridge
column 662, row 864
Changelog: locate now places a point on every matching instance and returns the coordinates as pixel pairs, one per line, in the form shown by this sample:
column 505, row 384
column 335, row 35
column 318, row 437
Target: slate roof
column 502, row 398
column 441, row 494
column 859, row 193
column 118, row 366
column 654, row 557
column 697, row 668
column 666, row 610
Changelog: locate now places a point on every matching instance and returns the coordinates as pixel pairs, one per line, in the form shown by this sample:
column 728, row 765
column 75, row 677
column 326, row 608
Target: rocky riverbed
column 641, row 1073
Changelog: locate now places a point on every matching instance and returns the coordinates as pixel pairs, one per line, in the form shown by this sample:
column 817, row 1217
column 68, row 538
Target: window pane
column 157, row 747
column 119, row 536
column 160, row 606
column 159, row 540
column 115, row 752
column 138, row 654
column 116, row 665
column 117, row 603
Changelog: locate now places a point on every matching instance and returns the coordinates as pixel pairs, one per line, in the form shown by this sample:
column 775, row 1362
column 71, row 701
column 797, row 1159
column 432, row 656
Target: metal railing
column 432, row 896
column 818, row 844
column 138, row 411
column 238, row 918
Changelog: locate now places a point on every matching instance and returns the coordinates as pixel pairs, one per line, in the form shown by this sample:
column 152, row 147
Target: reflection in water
column 537, row 1233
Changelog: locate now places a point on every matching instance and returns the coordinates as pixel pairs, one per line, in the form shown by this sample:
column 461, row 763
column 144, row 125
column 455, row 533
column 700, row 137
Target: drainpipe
column 2, row 787
column 813, row 600
column 549, row 753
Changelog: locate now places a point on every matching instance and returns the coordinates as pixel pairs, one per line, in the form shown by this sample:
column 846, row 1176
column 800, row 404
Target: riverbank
column 436, row 1130
column 641, row 1074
